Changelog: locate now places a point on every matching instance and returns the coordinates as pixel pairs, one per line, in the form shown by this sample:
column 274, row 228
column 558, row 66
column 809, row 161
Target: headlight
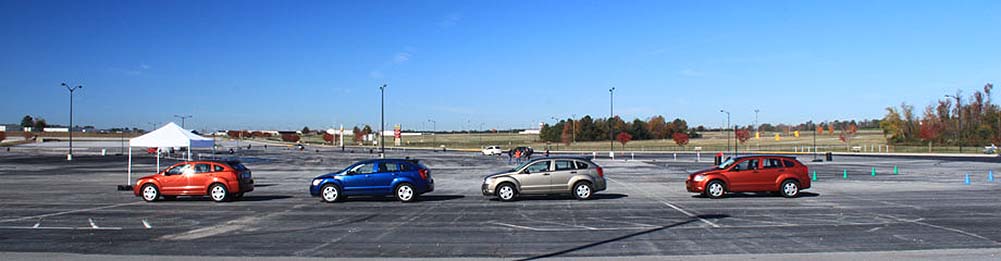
column 699, row 178
column 317, row 182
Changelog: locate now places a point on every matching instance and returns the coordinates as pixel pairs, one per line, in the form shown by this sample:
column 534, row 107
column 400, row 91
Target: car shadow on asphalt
column 615, row 239
column 599, row 196
column 244, row 198
column 263, row 185
column 760, row 195
column 428, row 198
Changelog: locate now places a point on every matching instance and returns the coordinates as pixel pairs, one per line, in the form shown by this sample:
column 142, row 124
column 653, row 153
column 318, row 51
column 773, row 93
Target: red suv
column 757, row 173
column 220, row 180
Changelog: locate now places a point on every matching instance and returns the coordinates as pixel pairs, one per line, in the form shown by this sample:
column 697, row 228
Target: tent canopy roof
column 171, row 135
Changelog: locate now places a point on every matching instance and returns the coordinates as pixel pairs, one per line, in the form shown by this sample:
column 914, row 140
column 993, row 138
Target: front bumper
column 485, row 188
column 693, row 186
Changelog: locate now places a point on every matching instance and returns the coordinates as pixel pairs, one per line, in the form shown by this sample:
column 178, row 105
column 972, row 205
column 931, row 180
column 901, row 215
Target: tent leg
column 129, row 182
column 157, row 160
column 189, row 152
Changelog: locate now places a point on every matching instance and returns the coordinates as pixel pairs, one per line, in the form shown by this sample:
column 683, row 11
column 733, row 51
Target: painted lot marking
column 668, row 203
column 67, row 212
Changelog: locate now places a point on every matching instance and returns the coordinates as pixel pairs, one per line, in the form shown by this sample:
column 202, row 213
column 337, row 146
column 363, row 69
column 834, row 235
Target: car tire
column 506, row 192
column 405, row 192
column 150, row 192
column 715, row 189
column 330, row 193
column 789, row 188
column 218, row 193
column 582, row 190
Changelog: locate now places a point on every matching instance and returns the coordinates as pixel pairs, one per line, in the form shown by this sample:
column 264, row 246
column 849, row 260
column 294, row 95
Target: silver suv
column 554, row 175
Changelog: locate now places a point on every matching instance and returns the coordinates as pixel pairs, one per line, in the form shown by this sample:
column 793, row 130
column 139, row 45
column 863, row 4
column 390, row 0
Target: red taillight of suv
column 424, row 173
column 601, row 172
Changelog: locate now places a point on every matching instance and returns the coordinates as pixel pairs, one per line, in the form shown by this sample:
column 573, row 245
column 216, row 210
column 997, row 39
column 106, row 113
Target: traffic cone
column 990, row 175
column 814, row 178
column 845, row 175
column 896, row 170
column 967, row 181
column 873, row 172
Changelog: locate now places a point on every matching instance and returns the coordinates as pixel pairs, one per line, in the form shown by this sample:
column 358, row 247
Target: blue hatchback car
column 406, row 179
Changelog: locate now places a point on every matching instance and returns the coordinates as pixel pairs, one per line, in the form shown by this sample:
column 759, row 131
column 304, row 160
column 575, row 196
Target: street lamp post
column 959, row 119
column 69, row 156
column 382, row 128
column 727, row 126
column 182, row 118
column 611, row 124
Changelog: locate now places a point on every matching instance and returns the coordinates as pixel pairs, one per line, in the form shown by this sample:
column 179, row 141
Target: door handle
column 545, row 174
column 573, row 172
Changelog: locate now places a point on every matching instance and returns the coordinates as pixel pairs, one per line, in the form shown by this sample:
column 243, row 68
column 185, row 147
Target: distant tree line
column 589, row 129
column 970, row 120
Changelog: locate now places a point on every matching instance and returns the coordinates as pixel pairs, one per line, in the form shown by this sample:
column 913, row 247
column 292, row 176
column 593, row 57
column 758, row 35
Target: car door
column 563, row 171
column 197, row 183
column 382, row 180
column 742, row 175
column 355, row 180
column 172, row 181
column 771, row 168
column 535, row 178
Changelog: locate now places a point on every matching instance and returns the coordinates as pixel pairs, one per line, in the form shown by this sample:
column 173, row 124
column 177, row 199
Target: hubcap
column 149, row 193
column 716, row 189
column 506, row 192
column 405, row 192
column 583, row 191
column 218, row 193
column 791, row 189
column 329, row 193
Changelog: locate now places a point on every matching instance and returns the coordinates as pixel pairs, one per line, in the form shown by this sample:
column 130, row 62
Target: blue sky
column 499, row 64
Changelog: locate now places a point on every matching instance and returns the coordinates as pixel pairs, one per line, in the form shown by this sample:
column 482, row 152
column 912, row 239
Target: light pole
column 611, row 124
column 727, row 126
column 183, row 117
column 959, row 119
column 382, row 123
column 71, row 89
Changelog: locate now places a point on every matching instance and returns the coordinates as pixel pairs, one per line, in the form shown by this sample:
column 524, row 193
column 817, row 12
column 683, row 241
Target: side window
column 751, row 164
column 177, row 170
column 564, row 165
column 218, row 168
column 773, row 163
column 388, row 167
column 407, row 167
column 541, row 166
column 581, row 165
column 202, row 168
column 789, row 164
column 366, row 168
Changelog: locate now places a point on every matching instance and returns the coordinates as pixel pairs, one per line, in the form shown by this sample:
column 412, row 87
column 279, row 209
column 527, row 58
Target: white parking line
column 668, row 203
column 66, row 212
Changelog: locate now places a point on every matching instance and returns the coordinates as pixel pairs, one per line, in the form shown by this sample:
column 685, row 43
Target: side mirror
column 351, row 172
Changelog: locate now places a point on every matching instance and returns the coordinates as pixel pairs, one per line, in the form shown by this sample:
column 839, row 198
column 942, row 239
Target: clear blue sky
column 282, row 64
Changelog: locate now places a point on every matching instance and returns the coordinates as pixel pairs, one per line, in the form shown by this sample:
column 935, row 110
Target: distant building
column 533, row 131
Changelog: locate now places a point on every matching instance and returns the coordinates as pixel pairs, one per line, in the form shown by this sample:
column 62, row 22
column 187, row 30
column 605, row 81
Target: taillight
column 601, row 172
column 424, row 173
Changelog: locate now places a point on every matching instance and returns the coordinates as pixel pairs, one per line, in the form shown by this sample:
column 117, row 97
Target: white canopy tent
column 168, row 136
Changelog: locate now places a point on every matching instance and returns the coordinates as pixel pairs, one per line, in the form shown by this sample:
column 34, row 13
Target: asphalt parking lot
column 50, row 205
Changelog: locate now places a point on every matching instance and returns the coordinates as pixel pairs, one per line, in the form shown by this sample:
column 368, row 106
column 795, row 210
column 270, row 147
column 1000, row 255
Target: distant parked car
column 220, row 180
column 492, row 150
column 758, row 173
column 992, row 149
column 556, row 175
column 406, row 179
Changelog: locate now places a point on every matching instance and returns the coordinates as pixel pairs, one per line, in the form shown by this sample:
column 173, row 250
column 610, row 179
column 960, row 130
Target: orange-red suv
column 757, row 173
column 220, row 180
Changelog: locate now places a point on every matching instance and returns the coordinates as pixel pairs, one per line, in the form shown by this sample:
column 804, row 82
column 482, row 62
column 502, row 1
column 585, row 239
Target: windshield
column 726, row 164
column 519, row 166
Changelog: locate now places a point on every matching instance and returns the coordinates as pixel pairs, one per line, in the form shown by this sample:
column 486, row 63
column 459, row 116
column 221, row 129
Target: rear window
column 581, row 165
column 407, row 167
column 789, row 164
column 237, row 166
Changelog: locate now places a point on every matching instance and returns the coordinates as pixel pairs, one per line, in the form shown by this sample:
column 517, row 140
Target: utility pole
column 182, row 119
column 959, row 119
column 611, row 124
column 69, row 156
column 727, row 125
column 382, row 129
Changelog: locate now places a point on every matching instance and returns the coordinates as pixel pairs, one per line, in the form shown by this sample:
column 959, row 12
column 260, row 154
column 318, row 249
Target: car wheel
column 715, row 189
column 330, row 193
column 790, row 189
column 506, row 192
column 405, row 192
column 218, row 192
column 583, row 190
column 150, row 192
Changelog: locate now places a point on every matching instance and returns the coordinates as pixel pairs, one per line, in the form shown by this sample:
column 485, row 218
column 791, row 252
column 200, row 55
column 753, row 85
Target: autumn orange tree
column 680, row 138
column 624, row 137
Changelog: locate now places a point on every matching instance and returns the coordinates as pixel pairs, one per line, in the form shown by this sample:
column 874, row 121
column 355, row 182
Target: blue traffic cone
column 990, row 175
column 814, row 178
column 895, row 170
column 844, row 175
column 967, row 179
column 873, row 172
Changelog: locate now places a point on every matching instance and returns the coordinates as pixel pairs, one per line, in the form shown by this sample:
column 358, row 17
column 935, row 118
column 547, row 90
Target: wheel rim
column 791, row 189
column 506, row 192
column 715, row 189
column 583, row 191
column 405, row 193
column 149, row 193
column 218, row 193
column 330, row 193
